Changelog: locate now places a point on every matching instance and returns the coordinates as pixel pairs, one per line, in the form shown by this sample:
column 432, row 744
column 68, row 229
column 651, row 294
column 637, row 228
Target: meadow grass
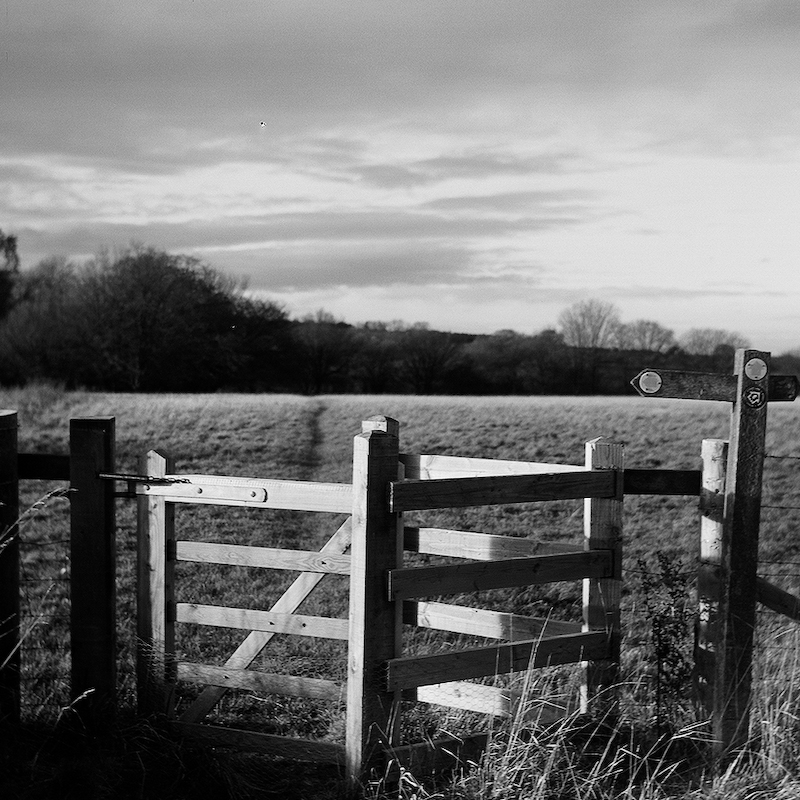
column 311, row 439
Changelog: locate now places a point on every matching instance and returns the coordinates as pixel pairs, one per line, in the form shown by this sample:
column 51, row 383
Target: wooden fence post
column 712, row 500
column 9, row 570
column 739, row 553
column 375, row 620
column 93, row 571
column 601, row 596
column 155, row 621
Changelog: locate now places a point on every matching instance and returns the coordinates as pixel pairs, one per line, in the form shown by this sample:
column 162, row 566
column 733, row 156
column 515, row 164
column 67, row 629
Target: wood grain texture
column 260, row 682
column 478, row 662
column 602, row 594
column 254, row 620
column 712, row 501
column 263, row 557
column 253, row 492
column 416, row 495
column 375, row 620
column 155, row 593
column 435, row 467
column 479, row 546
column 415, row 582
column 469, row 697
column 738, row 559
column 483, row 622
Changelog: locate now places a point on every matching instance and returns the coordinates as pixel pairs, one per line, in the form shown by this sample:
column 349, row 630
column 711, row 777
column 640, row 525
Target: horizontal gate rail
column 478, row 662
column 253, row 620
column 43, row 467
column 279, row 746
column 417, row 495
column 479, row 546
column 252, row 492
column 262, row 557
column 263, row 682
column 482, row 622
column 663, row 481
column 436, row 467
column 467, row 696
column 414, row 582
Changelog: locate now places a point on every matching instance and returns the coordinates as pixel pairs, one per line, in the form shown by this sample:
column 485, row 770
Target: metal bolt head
column 755, row 369
column 650, row 382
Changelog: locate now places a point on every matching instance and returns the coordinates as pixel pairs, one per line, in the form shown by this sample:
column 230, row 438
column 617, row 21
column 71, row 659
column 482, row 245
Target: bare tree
column 589, row 324
column 706, row 341
column 644, row 334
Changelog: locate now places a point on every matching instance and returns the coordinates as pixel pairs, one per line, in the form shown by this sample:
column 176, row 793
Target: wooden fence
column 385, row 593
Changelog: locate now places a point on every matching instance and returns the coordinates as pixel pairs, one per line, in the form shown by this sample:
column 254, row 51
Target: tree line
column 146, row 320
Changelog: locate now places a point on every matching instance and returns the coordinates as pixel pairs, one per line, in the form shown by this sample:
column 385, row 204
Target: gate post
column 375, row 620
column 155, row 617
column 93, row 594
column 601, row 596
column 9, row 570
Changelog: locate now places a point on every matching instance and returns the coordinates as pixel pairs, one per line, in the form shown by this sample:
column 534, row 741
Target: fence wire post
column 739, row 554
column 93, row 638
column 375, row 620
column 9, row 570
column 712, row 499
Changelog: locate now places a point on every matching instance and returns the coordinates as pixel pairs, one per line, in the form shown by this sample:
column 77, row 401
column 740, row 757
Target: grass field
column 311, row 439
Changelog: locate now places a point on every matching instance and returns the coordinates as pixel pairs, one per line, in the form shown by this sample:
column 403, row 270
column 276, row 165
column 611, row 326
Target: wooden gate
column 385, row 594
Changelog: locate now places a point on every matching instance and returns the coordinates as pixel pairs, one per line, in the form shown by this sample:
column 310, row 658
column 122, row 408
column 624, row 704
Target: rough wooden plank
column 278, row 746
column 712, row 500
column 155, row 587
column 256, row 641
column 739, row 553
column 478, row 662
column 263, row 557
column 260, row 682
column 602, row 529
column 478, row 546
column 93, row 580
column 255, row 620
column 9, row 570
column 43, row 467
column 709, row 385
column 777, row 599
column 427, row 467
column 417, row 495
column 662, row 481
column 253, row 492
column 473, row 577
column 469, row 697
column 375, row 621
column 482, row 622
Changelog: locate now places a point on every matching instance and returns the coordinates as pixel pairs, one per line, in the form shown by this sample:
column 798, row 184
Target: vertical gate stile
column 155, row 594
column 712, row 498
column 9, row 570
column 375, row 620
column 601, row 596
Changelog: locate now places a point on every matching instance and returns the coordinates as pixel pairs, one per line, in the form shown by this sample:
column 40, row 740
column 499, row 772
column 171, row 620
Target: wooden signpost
column 750, row 389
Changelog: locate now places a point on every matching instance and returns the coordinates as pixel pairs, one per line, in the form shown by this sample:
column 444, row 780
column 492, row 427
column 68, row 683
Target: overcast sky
column 474, row 165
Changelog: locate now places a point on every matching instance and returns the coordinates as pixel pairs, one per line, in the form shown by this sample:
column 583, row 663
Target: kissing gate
column 385, row 594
